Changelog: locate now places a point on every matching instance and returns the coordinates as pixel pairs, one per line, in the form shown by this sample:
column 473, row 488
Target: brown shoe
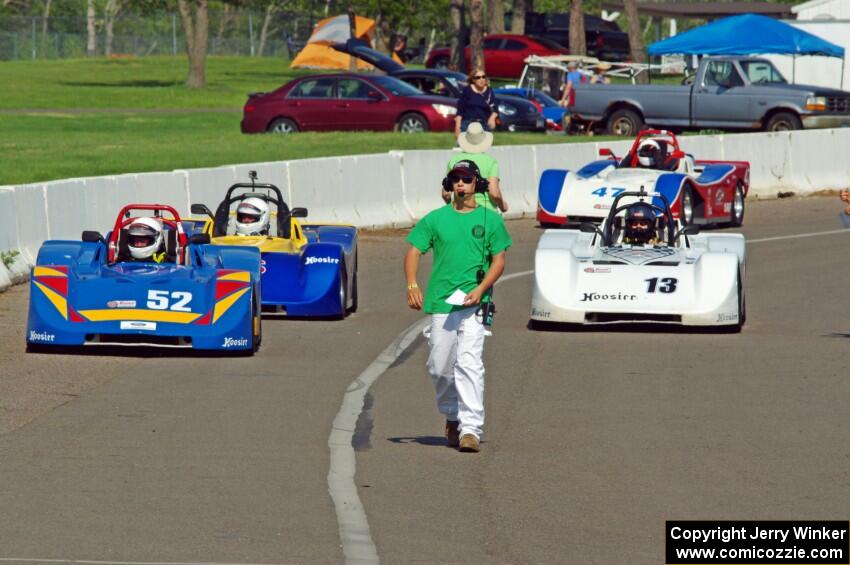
column 469, row 444
column 452, row 433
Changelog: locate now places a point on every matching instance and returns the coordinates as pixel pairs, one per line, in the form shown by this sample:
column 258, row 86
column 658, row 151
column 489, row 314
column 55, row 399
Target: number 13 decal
column 667, row 285
column 163, row 300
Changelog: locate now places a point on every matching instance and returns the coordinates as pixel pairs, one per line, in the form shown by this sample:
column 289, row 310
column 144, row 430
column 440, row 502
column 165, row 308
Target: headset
column 482, row 185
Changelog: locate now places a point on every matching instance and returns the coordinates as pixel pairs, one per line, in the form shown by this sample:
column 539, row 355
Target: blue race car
column 307, row 269
column 94, row 292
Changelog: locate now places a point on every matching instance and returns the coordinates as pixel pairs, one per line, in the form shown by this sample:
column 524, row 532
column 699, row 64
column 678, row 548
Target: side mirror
column 589, row 227
column 374, row 96
column 92, row 237
column 298, row 213
column 690, row 229
column 199, row 238
column 200, row 209
column 605, row 152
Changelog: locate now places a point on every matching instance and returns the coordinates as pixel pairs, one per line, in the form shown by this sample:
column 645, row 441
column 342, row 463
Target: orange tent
column 318, row 54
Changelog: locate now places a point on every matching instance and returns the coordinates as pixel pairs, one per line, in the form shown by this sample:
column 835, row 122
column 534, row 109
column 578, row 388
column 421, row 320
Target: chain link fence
column 280, row 34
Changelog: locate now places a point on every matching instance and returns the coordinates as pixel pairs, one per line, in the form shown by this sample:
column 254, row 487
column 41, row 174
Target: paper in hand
column 457, row 298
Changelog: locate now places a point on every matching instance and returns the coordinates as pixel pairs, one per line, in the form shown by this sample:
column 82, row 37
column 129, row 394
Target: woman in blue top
column 476, row 104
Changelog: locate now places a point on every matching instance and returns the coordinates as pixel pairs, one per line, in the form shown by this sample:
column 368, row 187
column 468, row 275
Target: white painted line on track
column 98, row 562
column 798, row 236
column 354, row 533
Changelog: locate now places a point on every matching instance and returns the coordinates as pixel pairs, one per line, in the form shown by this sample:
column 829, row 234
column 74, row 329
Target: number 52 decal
column 165, row 300
column 615, row 192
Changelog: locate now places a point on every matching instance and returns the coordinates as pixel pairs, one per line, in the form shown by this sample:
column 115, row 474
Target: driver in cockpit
column 640, row 225
column 252, row 217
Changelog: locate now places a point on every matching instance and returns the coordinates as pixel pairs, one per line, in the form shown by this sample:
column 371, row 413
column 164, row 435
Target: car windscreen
column 544, row 99
column 762, row 72
column 548, row 43
column 395, row 86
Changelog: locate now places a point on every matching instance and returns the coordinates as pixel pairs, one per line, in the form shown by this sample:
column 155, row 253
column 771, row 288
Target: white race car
column 591, row 276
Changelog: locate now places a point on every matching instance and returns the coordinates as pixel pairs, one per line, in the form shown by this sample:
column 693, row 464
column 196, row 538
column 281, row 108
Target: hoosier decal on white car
column 591, row 296
column 311, row 260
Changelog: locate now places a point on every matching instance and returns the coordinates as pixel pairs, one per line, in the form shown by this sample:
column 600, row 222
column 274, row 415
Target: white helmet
column 252, row 217
column 647, row 151
column 144, row 238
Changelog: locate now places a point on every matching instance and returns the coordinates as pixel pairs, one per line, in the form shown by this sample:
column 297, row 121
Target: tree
column 91, row 29
column 110, row 13
column 476, row 36
column 577, row 41
column 518, row 19
column 636, row 38
column 194, row 16
column 456, row 59
column 495, row 16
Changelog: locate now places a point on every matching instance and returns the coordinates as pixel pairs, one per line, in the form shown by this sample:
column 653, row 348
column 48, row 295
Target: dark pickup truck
column 727, row 93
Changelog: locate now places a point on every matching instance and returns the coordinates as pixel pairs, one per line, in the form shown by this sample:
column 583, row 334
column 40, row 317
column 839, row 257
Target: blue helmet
column 640, row 222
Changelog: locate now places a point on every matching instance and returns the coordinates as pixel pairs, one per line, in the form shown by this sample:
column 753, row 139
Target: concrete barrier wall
column 393, row 189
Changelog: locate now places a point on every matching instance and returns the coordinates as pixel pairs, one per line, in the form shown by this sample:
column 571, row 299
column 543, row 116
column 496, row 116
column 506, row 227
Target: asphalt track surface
column 593, row 438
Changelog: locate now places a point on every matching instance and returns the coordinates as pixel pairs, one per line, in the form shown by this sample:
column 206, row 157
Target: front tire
column 343, row 294
column 354, row 293
column 412, row 123
column 686, row 206
column 283, row 125
column 441, row 63
column 624, row 122
column 783, row 121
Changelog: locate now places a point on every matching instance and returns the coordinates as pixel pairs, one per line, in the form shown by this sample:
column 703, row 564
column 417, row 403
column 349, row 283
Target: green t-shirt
column 489, row 168
column 462, row 243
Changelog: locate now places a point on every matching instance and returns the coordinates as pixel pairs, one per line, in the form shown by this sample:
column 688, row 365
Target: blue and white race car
column 93, row 291
column 699, row 192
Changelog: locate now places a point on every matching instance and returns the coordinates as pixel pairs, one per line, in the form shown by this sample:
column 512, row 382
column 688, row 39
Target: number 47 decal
column 615, row 192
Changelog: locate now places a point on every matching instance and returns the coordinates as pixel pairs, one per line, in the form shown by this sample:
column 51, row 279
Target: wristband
column 412, row 286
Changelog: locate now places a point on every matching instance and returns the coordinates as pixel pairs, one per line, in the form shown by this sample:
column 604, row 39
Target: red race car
column 347, row 102
column 504, row 55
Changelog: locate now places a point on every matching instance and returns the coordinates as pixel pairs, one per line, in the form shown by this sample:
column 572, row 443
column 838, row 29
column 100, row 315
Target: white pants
column 456, row 366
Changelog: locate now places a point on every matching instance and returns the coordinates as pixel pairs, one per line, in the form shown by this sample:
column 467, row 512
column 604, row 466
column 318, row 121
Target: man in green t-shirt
column 474, row 143
column 469, row 244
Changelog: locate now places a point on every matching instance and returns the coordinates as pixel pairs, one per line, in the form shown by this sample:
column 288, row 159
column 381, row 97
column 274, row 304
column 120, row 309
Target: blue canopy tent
column 747, row 34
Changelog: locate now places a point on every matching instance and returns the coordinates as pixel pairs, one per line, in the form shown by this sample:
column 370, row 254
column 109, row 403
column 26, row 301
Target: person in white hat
column 474, row 143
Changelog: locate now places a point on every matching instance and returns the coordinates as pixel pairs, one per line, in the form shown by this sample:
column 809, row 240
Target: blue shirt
column 473, row 106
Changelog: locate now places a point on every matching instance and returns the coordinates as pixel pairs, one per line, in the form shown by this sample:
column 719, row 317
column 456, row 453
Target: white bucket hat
column 475, row 139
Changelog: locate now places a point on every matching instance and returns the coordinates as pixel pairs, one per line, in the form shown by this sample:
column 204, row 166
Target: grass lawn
column 109, row 116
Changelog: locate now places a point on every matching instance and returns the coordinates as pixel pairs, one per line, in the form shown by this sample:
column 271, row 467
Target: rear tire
column 412, row 123
column 624, row 122
column 783, row 121
column 283, row 125
column 737, row 206
column 354, row 293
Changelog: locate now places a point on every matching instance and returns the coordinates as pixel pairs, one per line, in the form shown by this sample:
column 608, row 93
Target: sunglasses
column 467, row 180
column 479, row 77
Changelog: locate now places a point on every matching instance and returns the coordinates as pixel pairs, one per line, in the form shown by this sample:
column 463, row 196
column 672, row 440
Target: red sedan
column 347, row 102
column 504, row 55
